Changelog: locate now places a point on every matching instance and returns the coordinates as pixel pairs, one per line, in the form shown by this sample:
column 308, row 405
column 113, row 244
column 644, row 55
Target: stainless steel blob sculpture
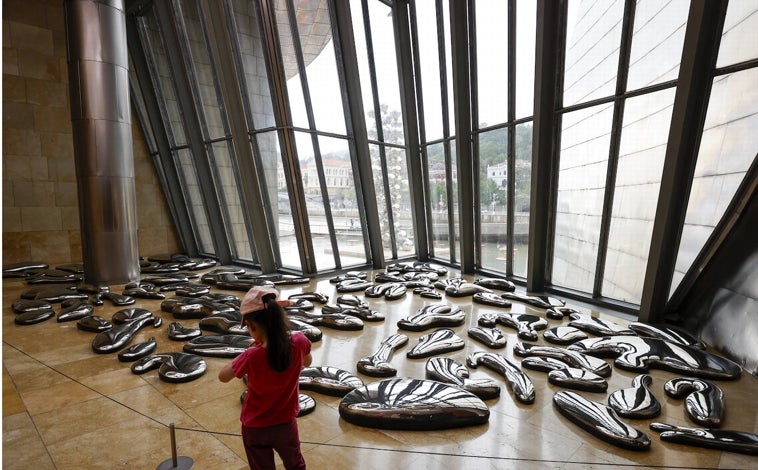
column 638, row 354
column 179, row 332
column 520, row 383
column 669, row 333
column 172, row 367
column 450, row 371
column 703, row 400
column 491, row 299
column 721, row 439
column 138, row 351
column 533, row 300
column 337, row 321
column 377, row 364
column 597, row 326
column 191, row 307
column 492, row 337
column 431, row 316
column 329, row 380
column 437, row 342
column 636, row 402
column 600, row 420
column 572, row 358
column 412, row 404
column 118, row 337
column 307, row 404
column 218, row 345
column 525, row 324
column 563, row 335
column 561, row 374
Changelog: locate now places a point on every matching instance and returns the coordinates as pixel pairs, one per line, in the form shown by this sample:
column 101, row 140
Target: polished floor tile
column 66, row 407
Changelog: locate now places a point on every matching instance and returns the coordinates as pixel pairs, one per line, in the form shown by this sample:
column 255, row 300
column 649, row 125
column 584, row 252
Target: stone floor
column 67, row 407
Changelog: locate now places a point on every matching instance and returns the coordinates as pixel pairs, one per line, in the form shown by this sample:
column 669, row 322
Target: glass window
column 194, row 198
column 492, row 61
column 592, row 50
column 439, row 199
column 526, row 17
column 585, row 143
column 431, row 85
column 522, row 199
column 739, row 41
column 493, row 198
column 644, row 137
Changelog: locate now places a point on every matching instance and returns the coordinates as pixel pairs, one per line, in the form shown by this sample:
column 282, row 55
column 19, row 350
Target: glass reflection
column 193, row 194
column 492, row 60
column 493, row 198
column 439, row 200
column 738, row 41
column 522, row 199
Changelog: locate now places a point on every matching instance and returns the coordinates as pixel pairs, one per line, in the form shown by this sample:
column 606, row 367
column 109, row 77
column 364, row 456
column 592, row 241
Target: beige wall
column 40, row 204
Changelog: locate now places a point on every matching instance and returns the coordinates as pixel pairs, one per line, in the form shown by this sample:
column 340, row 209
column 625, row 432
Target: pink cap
column 253, row 299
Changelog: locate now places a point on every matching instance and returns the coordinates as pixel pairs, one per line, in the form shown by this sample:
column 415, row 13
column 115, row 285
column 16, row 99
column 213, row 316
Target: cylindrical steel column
column 101, row 120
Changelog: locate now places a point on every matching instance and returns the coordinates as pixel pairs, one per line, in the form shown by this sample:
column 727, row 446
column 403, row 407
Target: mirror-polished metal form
column 312, row 296
column 143, row 290
column 118, row 300
column 74, row 309
column 218, row 345
column 127, row 314
column 388, row 290
column 437, row 342
column 329, row 381
column 450, row 371
column 94, row 323
column 192, row 289
column 24, row 306
column 491, row 299
column 33, row 317
column 636, row 402
column 118, row 337
column 377, row 364
column 353, row 284
column 667, row 332
column 412, row 404
column 432, row 316
column 172, row 367
column 539, row 301
column 598, row 326
column 519, row 382
column 224, row 323
column 351, row 300
column 179, row 332
column 561, row 374
column 307, row 404
column 721, row 439
column 563, row 335
column 53, row 293
column 600, row 420
column 526, row 324
column 703, row 400
column 557, row 313
column 496, row 284
column 364, row 313
column 572, row 358
column 639, row 354
column 337, row 321
column 492, row 337
column 138, row 351
column 466, row 289
column 183, row 308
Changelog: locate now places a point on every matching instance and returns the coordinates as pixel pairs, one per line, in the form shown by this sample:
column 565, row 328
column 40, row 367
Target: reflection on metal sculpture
column 329, row 381
column 192, row 289
column 539, row 301
column 74, row 309
column 24, row 306
column 497, row 284
column 23, row 269
column 353, row 284
column 377, row 365
column 427, row 292
column 703, row 400
column 412, row 404
column 127, row 314
column 563, row 375
column 224, row 323
column 597, row 326
column 364, row 313
column 337, row 321
column 563, row 335
column 437, row 342
column 600, row 420
column 351, row 301
column 450, row 371
column 572, row 358
column 519, row 382
column 53, row 293
column 183, row 308
column 557, row 313
column 491, row 299
column 138, row 351
column 639, row 354
column 666, row 332
column 466, row 289
column 312, row 296
column 218, row 345
column 143, row 290
column 721, row 439
column 492, row 337
column 33, row 317
column 52, row 276
column 307, row 404
column 431, row 316
column 637, row 402
column 525, row 323
column 94, row 323
column 389, row 290
column 177, row 332
column 172, row 367
column 116, row 299
column 384, row 278
column 118, row 337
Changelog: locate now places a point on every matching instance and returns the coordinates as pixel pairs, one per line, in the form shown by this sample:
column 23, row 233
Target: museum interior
column 518, row 233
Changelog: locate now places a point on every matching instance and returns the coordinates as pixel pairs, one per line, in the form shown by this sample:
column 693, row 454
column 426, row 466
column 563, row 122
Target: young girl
column 272, row 364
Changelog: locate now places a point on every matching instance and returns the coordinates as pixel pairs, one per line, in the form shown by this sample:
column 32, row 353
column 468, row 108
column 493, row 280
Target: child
column 272, row 364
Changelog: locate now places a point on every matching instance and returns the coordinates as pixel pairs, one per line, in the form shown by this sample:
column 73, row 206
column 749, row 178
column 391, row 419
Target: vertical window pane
column 452, row 199
column 492, row 61
column 592, row 49
column 526, row 18
column 739, row 41
column 642, row 150
column 430, row 69
column 438, row 197
column 727, row 149
column 449, row 67
column 323, row 82
column 194, row 197
column 585, row 141
column 657, row 42
column 493, row 195
column 289, row 62
column 521, row 203
column 253, row 62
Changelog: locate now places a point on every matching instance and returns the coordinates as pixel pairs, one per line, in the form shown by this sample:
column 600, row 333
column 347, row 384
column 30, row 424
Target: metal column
column 98, row 71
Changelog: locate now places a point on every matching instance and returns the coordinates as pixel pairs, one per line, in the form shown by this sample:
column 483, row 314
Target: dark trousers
column 260, row 444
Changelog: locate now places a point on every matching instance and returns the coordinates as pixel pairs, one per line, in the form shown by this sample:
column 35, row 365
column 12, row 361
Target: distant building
column 499, row 174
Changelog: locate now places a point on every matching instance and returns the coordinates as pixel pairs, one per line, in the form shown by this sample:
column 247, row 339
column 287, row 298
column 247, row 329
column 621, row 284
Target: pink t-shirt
column 272, row 397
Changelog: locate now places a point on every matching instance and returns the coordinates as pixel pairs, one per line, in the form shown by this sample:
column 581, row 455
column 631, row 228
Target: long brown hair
column 276, row 327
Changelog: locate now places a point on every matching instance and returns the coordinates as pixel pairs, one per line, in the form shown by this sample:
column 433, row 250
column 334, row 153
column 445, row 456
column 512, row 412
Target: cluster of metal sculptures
column 446, row 397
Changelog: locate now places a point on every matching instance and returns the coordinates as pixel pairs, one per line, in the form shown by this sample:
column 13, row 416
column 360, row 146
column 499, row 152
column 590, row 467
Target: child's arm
column 307, row 360
column 227, row 373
